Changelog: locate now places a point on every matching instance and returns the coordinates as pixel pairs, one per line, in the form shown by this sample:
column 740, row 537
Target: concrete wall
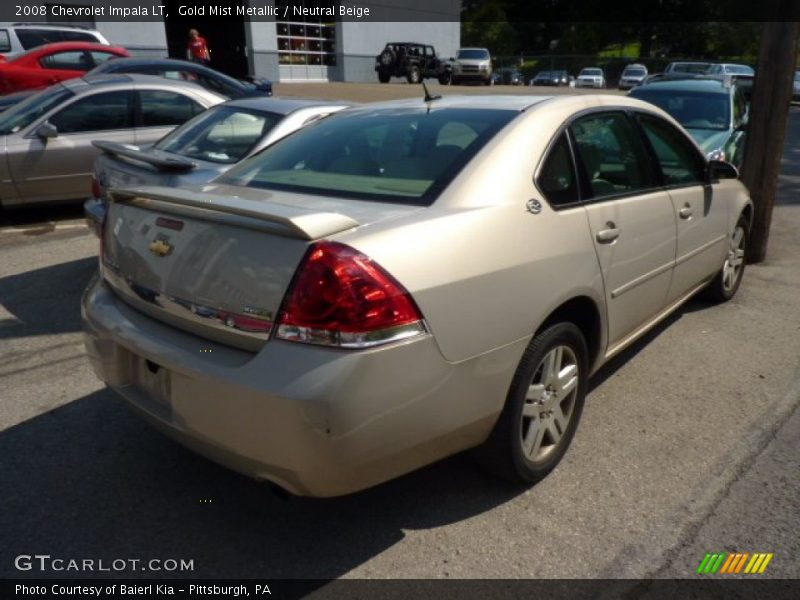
column 262, row 43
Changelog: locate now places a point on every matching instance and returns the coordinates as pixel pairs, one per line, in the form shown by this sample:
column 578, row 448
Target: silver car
column 592, row 77
column 200, row 149
column 407, row 280
column 46, row 140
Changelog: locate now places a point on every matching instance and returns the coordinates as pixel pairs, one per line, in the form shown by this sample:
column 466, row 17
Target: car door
column 60, row 168
column 160, row 111
column 702, row 218
column 631, row 220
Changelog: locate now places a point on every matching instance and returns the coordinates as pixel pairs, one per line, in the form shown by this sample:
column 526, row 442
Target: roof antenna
column 428, row 97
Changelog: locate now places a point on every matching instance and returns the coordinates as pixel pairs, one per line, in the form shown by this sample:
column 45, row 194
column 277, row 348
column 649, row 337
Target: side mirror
column 47, row 130
column 720, row 169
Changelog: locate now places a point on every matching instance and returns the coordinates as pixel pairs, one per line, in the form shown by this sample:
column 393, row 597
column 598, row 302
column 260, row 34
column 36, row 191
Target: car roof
column 282, row 106
column 162, row 62
column 79, row 84
column 688, row 85
column 503, row 102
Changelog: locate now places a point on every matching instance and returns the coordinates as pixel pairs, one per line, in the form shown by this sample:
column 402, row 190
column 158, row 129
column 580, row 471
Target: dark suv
column 413, row 61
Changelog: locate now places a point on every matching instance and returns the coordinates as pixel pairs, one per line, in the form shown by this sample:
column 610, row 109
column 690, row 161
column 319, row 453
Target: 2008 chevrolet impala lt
column 406, row 280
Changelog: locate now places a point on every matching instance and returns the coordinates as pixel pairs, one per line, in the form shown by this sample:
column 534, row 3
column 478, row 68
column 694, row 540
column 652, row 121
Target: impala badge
column 160, row 247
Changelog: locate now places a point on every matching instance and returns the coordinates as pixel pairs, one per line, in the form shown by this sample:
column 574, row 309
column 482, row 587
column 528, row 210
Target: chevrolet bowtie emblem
column 160, row 247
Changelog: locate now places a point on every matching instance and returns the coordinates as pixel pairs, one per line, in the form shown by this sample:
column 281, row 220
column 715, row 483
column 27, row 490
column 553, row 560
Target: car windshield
column 403, row 155
column 26, row 112
column 473, row 54
column 591, row 72
column 634, row 72
column 739, row 70
column 225, row 134
column 689, row 67
column 693, row 110
column 543, row 74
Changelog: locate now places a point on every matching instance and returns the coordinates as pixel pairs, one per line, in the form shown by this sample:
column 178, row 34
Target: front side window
column 557, row 178
column 223, row 135
column 98, row 112
column 678, row 159
column 163, row 108
column 612, row 154
column 404, row 155
column 73, row 60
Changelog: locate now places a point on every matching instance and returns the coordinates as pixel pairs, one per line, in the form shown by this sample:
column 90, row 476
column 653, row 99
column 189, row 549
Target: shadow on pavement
column 92, row 480
column 46, row 300
column 36, row 215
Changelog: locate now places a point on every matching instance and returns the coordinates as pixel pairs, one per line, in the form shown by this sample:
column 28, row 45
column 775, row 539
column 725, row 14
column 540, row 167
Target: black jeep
column 413, row 61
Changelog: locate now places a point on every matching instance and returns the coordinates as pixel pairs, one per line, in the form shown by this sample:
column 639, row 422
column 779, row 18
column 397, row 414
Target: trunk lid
column 217, row 260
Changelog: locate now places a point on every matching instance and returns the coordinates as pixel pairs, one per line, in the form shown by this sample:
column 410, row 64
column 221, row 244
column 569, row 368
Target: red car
column 51, row 63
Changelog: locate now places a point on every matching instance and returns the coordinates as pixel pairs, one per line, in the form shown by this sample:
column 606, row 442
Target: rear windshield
column 402, row 155
column 222, row 135
column 689, row 67
column 739, row 70
column 591, row 72
column 473, row 54
column 694, row 110
column 21, row 115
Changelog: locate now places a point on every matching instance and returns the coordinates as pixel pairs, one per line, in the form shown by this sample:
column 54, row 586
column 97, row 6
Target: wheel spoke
column 559, row 419
column 551, row 365
column 554, row 431
column 567, row 381
column 531, row 410
column 736, row 240
column 532, row 441
column 535, row 392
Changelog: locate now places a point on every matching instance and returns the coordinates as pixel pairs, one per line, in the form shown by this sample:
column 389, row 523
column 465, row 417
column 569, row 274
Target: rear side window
column 78, row 36
column 557, row 179
column 99, row 112
column 5, row 41
column 99, row 57
column 74, row 60
column 163, row 108
column 679, row 160
column 612, row 154
column 31, row 38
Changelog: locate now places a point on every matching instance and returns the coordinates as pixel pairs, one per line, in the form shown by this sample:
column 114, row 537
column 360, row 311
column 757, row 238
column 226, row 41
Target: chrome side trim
column 641, row 279
column 647, row 326
column 700, row 249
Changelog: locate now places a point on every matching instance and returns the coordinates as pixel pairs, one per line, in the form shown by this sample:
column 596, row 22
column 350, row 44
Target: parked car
column 202, row 148
column 688, row 66
column 10, row 100
column 363, row 257
column 714, row 113
column 413, row 61
column 731, row 69
column 173, row 68
column 592, row 77
column 796, row 89
column 508, row 76
column 16, row 38
column 472, row 64
column 46, row 140
column 633, row 75
column 49, row 64
column 556, row 78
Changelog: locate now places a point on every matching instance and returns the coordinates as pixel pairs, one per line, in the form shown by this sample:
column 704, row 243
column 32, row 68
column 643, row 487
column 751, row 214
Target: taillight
column 340, row 297
column 96, row 191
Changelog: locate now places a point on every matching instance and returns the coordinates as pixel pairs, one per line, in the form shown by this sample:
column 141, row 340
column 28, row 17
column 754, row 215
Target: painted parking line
column 45, row 227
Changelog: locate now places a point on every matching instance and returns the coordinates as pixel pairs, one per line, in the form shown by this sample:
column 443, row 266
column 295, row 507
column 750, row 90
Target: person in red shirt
column 197, row 49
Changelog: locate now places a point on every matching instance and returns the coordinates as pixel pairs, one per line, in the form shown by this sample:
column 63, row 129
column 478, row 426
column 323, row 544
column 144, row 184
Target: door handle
column 606, row 236
column 685, row 212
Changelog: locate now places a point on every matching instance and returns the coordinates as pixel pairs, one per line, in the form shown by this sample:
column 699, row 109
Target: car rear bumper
column 315, row 421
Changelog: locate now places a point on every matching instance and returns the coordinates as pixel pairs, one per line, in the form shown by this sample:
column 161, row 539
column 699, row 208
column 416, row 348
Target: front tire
column 384, row 77
column 725, row 285
column 542, row 409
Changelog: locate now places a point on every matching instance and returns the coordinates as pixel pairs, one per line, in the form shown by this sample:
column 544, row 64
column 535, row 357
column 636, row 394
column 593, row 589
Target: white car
column 591, row 77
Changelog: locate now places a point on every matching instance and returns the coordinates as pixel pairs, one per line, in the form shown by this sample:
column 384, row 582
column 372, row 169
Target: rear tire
column 542, row 409
column 726, row 283
column 384, row 77
column 413, row 75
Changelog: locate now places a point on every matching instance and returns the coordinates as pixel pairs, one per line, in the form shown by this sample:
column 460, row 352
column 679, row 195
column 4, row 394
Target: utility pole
column 766, row 129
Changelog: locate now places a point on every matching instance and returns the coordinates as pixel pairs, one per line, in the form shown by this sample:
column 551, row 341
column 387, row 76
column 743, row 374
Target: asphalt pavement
column 689, row 444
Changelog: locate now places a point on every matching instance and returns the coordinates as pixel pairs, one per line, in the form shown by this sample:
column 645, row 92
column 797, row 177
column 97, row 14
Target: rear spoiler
column 280, row 219
column 162, row 164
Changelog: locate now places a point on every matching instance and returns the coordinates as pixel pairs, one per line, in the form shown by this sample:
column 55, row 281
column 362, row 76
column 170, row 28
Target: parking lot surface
column 687, row 445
